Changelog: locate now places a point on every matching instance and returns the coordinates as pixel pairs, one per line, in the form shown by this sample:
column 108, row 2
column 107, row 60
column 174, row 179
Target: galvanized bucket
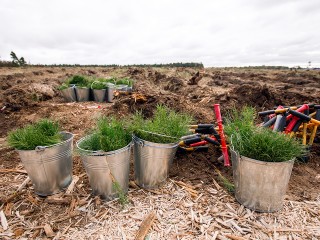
column 104, row 168
column 83, row 94
column 99, row 95
column 121, row 87
column 69, row 94
column 259, row 185
column 152, row 162
column 49, row 167
column 110, row 92
column 127, row 89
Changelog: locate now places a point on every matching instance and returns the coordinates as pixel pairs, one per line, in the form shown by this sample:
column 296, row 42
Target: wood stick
column 286, row 230
column 145, row 226
column 48, row 230
column 233, row 237
column 13, row 171
column 61, row 201
column 25, row 182
column 73, row 214
column 72, row 184
column 3, row 221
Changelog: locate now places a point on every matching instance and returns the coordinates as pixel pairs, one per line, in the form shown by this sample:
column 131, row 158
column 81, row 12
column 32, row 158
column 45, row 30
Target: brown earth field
column 193, row 203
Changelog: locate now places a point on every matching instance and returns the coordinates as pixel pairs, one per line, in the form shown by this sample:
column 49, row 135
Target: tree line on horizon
column 20, row 62
column 178, row 64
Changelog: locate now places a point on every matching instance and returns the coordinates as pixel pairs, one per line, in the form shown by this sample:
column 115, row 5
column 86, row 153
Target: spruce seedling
column 43, row 133
column 257, row 142
column 166, row 126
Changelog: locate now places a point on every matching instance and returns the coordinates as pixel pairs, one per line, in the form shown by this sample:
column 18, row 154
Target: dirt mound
column 174, row 84
column 128, row 104
column 259, row 95
column 135, row 71
column 25, row 95
column 195, row 79
column 157, row 76
column 42, row 91
column 17, row 97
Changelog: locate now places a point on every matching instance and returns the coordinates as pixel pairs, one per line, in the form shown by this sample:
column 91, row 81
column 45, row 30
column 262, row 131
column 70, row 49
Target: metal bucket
column 83, row 94
column 69, row 94
column 259, row 185
column 152, row 162
column 121, row 87
column 49, row 167
column 101, row 166
column 99, row 95
column 127, row 89
column 110, row 91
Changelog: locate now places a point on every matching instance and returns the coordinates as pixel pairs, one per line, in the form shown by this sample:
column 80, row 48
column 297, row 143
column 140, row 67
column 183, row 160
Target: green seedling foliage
column 92, row 142
column 164, row 122
column 48, row 127
column 269, row 146
column 124, row 81
column 63, row 86
column 122, row 197
column 78, row 80
column 113, row 134
column 99, row 85
column 240, row 121
column 227, row 184
column 109, row 135
column 43, row 133
column 257, row 142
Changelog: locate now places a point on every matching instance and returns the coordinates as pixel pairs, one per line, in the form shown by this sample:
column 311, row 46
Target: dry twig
column 145, row 226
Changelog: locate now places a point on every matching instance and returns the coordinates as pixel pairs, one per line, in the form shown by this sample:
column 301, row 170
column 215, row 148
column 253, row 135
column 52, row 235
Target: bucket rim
column 37, row 148
column 77, row 87
column 100, row 153
column 154, row 144
column 264, row 162
column 67, row 89
column 94, row 90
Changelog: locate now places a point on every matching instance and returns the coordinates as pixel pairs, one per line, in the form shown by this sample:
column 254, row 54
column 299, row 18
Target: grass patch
column 43, row 133
column 257, row 142
column 168, row 124
column 109, row 135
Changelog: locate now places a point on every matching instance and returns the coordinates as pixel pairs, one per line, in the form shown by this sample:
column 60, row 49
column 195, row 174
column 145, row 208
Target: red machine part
column 221, row 133
column 295, row 119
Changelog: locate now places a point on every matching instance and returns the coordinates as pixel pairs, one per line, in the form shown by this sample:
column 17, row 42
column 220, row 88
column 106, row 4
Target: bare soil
column 28, row 94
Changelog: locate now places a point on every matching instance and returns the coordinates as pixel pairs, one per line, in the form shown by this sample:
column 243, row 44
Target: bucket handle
column 137, row 141
column 40, row 148
column 141, row 143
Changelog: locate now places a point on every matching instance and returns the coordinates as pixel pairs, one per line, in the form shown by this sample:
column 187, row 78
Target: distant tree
column 309, row 64
column 16, row 61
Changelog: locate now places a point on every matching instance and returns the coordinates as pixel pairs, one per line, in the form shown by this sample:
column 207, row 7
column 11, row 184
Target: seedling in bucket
column 43, row 133
column 166, row 126
column 46, row 154
column 262, row 161
column 105, row 154
column 155, row 144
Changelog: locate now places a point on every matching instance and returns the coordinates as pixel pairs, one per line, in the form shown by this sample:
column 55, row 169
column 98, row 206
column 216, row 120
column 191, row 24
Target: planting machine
column 205, row 134
column 297, row 121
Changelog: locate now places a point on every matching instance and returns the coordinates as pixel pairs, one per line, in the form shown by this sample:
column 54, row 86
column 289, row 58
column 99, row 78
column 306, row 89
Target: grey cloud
column 216, row 33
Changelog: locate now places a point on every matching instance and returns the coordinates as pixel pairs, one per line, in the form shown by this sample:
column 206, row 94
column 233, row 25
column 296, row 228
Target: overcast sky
column 214, row 32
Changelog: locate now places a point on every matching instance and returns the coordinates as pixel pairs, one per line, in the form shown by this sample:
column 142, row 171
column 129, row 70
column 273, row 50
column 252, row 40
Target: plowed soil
column 28, row 94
